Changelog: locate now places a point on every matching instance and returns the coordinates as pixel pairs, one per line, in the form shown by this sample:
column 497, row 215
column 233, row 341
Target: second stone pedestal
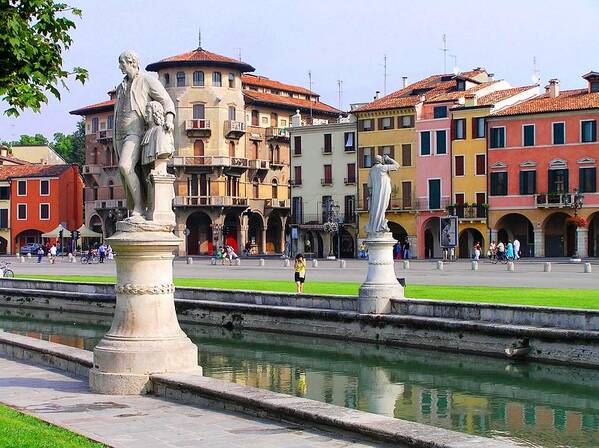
column 381, row 284
column 145, row 337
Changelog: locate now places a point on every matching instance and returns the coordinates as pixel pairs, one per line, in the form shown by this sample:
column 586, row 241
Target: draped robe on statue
column 379, row 185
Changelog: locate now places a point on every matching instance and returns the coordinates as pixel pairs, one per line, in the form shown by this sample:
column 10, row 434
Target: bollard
column 237, row 261
column 510, row 266
column 547, row 267
column 342, row 264
column 440, row 265
column 190, row 260
column 286, row 263
column 29, row 255
column 22, row 259
column 315, row 263
column 261, row 263
column 213, row 261
column 587, row 268
column 474, row 265
column 74, row 260
column 70, row 257
column 406, row 264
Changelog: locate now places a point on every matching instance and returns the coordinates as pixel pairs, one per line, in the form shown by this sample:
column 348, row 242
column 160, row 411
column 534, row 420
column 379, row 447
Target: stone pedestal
column 381, row 284
column 145, row 337
column 161, row 208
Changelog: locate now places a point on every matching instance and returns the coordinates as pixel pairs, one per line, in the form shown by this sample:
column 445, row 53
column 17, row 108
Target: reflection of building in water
column 72, row 341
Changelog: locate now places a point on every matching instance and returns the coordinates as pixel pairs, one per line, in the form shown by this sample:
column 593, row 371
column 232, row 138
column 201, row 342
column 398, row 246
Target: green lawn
column 565, row 298
column 22, row 431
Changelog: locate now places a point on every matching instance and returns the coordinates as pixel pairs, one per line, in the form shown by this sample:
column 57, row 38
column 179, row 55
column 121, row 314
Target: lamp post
column 576, row 205
column 332, row 226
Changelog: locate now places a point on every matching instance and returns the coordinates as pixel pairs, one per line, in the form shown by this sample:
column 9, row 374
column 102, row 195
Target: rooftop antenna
column 310, row 83
column 444, row 50
column 238, row 53
column 385, row 75
column 536, row 75
column 456, row 70
column 199, row 38
column 339, row 91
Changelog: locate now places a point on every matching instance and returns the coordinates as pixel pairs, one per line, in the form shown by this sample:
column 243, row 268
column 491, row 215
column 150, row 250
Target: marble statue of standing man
column 379, row 187
column 132, row 96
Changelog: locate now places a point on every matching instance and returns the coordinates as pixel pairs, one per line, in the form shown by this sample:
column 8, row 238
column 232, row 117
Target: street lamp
column 576, row 205
column 332, row 226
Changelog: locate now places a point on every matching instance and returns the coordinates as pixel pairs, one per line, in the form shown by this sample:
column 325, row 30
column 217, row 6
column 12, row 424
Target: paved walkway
column 145, row 422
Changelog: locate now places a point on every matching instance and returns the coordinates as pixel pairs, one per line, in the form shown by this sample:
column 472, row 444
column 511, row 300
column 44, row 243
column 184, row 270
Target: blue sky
column 335, row 39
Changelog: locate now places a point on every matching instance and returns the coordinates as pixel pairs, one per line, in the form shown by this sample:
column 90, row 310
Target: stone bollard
column 74, row 260
column 70, row 257
column 547, row 267
column 261, row 262
column 315, row 263
column 510, row 266
column 237, row 261
column 29, row 256
column 587, row 268
column 440, row 265
column 286, row 263
column 213, row 261
column 190, row 260
column 22, row 259
column 406, row 264
column 474, row 265
column 342, row 264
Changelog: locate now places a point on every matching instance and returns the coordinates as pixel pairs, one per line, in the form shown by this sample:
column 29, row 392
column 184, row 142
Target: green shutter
column 522, row 182
column 566, row 181
column 551, row 181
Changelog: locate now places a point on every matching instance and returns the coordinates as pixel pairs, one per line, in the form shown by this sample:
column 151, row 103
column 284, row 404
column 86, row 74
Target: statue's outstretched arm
column 391, row 164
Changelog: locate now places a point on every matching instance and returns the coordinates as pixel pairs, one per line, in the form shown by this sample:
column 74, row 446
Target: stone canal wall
column 545, row 334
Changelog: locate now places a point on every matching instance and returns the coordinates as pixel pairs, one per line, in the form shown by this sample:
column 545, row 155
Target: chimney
column 404, row 80
column 4, row 151
column 553, row 88
column 470, row 100
column 377, row 94
column 296, row 120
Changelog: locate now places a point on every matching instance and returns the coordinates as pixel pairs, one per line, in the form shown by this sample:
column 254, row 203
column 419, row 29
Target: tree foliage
column 34, row 34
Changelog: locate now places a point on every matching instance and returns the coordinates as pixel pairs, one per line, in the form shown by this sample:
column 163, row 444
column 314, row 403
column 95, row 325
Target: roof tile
column 16, row 171
column 579, row 99
column 261, row 97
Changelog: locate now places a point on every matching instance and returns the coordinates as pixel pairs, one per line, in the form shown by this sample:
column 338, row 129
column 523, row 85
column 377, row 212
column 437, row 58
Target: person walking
column 40, row 254
column 102, row 253
column 476, row 251
column 109, row 253
column 299, row 268
column 362, row 253
column 53, row 252
column 510, row 250
column 500, row 250
column 406, row 250
column 516, row 249
column 492, row 249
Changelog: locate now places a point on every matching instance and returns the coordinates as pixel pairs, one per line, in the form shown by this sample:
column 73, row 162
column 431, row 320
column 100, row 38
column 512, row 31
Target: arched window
column 253, row 151
column 95, row 191
column 256, row 188
column 277, row 154
column 217, row 79
column 180, row 79
column 271, row 153
column 94, row 156
column 231, row 80
column 198, row 148
column 111, row 189
column 275, row 189
column 198, row 79
column 231, row 149
column 167, row 80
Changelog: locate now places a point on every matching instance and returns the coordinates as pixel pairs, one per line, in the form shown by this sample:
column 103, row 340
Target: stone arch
column 347, row 244
column 560, row 235
column 399, row 232
column 466, row 241
column 430, row 230
column 256, row 225
column 25, row 237
column 199, row 240
column 516, row 226
column 231, row 229
column 3, row 246
column 593, row 235
column 274, row 230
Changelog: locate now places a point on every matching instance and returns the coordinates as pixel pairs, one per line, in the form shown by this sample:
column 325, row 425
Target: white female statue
column 379, row 188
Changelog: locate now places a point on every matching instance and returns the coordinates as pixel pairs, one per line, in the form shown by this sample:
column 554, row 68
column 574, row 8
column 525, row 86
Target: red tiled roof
column 579, row 99
column 449, row 93
column 261, row 81
column 32, row 170
column 104, row 106
column 200, row 57
column 286, row 102
column 500, row 95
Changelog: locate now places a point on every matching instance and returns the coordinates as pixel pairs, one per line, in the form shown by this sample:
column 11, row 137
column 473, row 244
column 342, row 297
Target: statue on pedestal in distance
column 379, row 188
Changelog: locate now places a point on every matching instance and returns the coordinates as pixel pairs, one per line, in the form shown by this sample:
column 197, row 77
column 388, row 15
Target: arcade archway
column 515, row 226
column 199, row 240
column 467, row 239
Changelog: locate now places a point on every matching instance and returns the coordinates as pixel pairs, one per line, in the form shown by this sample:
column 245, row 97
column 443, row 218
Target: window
column 588, row 131
column 349, row 138
column 328, row 144
column 217, row 79
column 528, row 135
column 44, row 187
column 297, row 209
column 386, row 123
column 434, row 194
column 21, row 188
column 406, row 194
column 481, row 165
column 478, row 127
column 594, row 86
column 198, row 79
column 407, row 121
column 351, row 173
column 95, row 125
column 367, row 157
column 558, row 181
column 406, row 155
column 180, row 79
column 297, row 175
column 21, row 212
column 44, row 212
column 328, row 174
column 440, row 112
column 232, row 113
column 425, row 143
column 461, row 84
column 256, row 118
column 459, row 165
column 387, row 151
column 231, row 80
column 441, row 138
column 297, row 145
column 460, row 199
column 327, row 206
column 559, row 133
column 528, row 182
column 167, row 80
column 588, row 180
column 110, row 122
column 4, row 218
column 497, row 138
column 481, row 198
column 499, row 184
column 459, row 129
column 275, row 189
column 350, row 208
column 199, row 112
column 4, row 192
column 366, row 125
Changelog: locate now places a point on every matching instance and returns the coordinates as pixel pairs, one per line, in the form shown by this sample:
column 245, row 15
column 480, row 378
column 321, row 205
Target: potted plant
column 578, row 221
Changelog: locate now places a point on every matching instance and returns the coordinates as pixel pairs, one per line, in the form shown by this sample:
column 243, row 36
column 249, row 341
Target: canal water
column 533, row 405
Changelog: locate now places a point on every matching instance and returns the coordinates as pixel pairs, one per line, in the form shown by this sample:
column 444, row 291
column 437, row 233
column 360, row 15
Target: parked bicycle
column 89, row 259
column 501, row 257
column 6, row 272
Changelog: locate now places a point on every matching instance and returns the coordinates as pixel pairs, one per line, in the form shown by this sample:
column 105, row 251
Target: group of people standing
column 226, row 253
column 511, row 250
column 401, row 251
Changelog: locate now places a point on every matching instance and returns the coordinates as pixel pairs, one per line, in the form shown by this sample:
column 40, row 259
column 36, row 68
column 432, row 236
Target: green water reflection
column 528, row 403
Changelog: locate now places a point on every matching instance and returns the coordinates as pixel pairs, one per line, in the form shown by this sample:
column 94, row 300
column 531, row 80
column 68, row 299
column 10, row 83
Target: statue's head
column 378, row 160
column 154, row 113
column 129, row 63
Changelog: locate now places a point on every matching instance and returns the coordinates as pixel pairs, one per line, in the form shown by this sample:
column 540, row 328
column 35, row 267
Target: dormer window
column 594, row 86
column 461, row 84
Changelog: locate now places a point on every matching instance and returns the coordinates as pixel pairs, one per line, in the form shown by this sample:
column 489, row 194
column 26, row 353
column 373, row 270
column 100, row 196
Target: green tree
column 27, row 140
column 34, row 34
column 63, row 145
column 78, row 151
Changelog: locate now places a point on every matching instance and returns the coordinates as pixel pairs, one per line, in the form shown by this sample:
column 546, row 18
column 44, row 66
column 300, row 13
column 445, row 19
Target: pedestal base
column 145, row 337
column 381, row 284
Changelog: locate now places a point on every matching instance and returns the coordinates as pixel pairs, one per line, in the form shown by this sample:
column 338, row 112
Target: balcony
column 278, row 134
column 104, row 136
column 470, row 212
column 277, row 164
column 423, row 204
column 277, row 203
column 198, row 128
column 215, row 201
column 108, row 204
column 554, row 200
column 326, row 182
column 256, row 164
column 91, row 169
column 205, row 164
column 234, row 129
column 315, row 221
column 349, row 181
column 402, row 204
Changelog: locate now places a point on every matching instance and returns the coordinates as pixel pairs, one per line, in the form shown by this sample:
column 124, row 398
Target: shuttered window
column 499, row 184
column 481, row 164
column 459, row 165
column 528, row 182
column 588, row 180
column 297, row 145
column 406, row 155
column 425, row 143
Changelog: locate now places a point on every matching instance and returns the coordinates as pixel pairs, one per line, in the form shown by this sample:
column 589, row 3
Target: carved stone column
column 145, row 337
column 243, row 237
column 582, row 242
column 263, row 242
column 381, row 284
column 539, row 241
column 217, row 236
